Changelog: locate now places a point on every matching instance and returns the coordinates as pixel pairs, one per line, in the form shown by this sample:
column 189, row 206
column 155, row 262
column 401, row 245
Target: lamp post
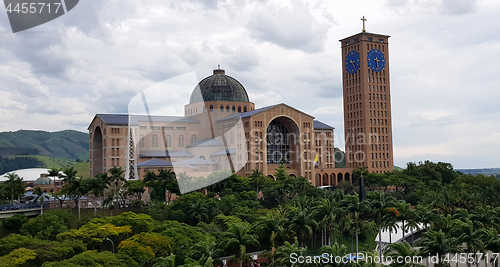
column 112, row 243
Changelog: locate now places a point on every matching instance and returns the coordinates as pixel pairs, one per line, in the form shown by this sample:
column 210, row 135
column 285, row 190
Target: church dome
column 43, row 181
column 219, row 87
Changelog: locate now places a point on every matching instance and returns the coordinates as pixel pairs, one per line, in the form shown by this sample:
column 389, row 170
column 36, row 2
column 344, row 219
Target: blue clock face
column 376, row 60
column 352, row 62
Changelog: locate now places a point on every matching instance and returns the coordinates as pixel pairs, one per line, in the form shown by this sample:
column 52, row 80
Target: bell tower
column 367, row 101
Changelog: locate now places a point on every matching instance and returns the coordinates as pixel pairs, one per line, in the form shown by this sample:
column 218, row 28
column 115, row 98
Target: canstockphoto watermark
column 368, row 258
column 26, row 14
column 353, row 258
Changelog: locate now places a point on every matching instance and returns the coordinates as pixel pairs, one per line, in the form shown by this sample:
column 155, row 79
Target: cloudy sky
column 444, row 55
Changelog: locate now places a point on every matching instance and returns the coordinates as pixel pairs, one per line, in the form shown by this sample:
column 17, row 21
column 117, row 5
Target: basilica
column 222, row 130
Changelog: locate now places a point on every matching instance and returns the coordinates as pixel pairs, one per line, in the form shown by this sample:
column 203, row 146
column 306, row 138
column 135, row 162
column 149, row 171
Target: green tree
column 39, row 196
column 96, row 186
column 204, row 251
column 95, row 259
column 238, row 237
column 258, row 179
column 17, row 258
column 46, row 226
column 15, row 186
column 14, row 223
column 168, row 261
column 115, row 183
column 69, row 174
column 404, row 250
column 437, row 243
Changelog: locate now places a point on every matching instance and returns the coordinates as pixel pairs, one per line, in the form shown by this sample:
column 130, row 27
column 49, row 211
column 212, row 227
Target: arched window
column 234, row 109
column 141, row 142
column 221, row 108
column 193, row 139
column 278, row 143
column 155, row 140
column 202, row 157
column 169, row 140
column 211, row 108
column 181, row 140
column 245, row 109
column 227, row 108
column 239, row 109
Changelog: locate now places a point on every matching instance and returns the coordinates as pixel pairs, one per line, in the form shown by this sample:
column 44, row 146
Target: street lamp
column 112, row 243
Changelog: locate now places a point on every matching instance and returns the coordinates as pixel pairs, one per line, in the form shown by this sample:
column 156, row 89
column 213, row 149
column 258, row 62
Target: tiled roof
column 248, row 113
column 224, row 152
column 195, row 161
column 172, row 154
column 321, row 126
column 155, row 163
column 122, row 119
column 206, row 142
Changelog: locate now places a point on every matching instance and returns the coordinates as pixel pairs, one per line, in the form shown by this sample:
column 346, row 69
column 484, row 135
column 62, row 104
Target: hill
column 64, row 144
column 486, row 172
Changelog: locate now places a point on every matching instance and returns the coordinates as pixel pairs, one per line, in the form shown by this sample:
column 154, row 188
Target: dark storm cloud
column 289, row 27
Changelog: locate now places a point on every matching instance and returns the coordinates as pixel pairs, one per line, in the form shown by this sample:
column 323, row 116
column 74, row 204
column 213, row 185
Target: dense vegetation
column 290, row 216
column 11, row 164
column 64, row 144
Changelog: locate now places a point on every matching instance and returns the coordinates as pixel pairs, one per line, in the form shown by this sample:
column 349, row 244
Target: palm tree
column 328, row 212
column 283, row 253
column 381, row 204
column 164, row 178
column 437, row 243
column 205, row 250
column 257, row 179
column 15, row 186
column 302, row 222
column 465, row 233
column 39, row 196
column 493, row 243
column 273, row 225
column 96, row 187
column 355, row 209
column 115, row 181
column 54, row 172
column 77, row 187
column 412, row 223
column 370, row 230
column 69, row 174
column 404, row 250
column 390, row 223
column 238, row 237
column 168, row 261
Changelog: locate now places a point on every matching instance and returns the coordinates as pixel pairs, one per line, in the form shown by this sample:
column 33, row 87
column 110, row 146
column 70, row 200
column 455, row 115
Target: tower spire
column 363, row 19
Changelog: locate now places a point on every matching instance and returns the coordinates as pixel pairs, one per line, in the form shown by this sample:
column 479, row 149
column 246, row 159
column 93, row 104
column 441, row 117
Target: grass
column 82, row 169
column 60, row 163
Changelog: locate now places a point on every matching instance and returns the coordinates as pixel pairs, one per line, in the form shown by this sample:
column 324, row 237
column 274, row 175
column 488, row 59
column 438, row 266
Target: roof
column 248, row 113
column 219, row 87
column 122, row 119
column 155, row 163
column 317, row 125
column 223, row 152
column 160, row 154
column 195, row 161
column 206, row 142
column 26, row 174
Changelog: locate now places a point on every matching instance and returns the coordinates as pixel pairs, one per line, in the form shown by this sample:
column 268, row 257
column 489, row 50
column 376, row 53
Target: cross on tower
column 363, row 19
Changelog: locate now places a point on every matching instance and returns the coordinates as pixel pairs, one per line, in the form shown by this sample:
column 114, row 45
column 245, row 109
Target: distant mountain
column 64, row 144
column 487, row 172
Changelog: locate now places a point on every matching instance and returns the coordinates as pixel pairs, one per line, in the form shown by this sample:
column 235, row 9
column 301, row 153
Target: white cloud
column 94, row 59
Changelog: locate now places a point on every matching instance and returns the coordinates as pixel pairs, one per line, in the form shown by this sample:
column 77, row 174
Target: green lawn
column 61, row 163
